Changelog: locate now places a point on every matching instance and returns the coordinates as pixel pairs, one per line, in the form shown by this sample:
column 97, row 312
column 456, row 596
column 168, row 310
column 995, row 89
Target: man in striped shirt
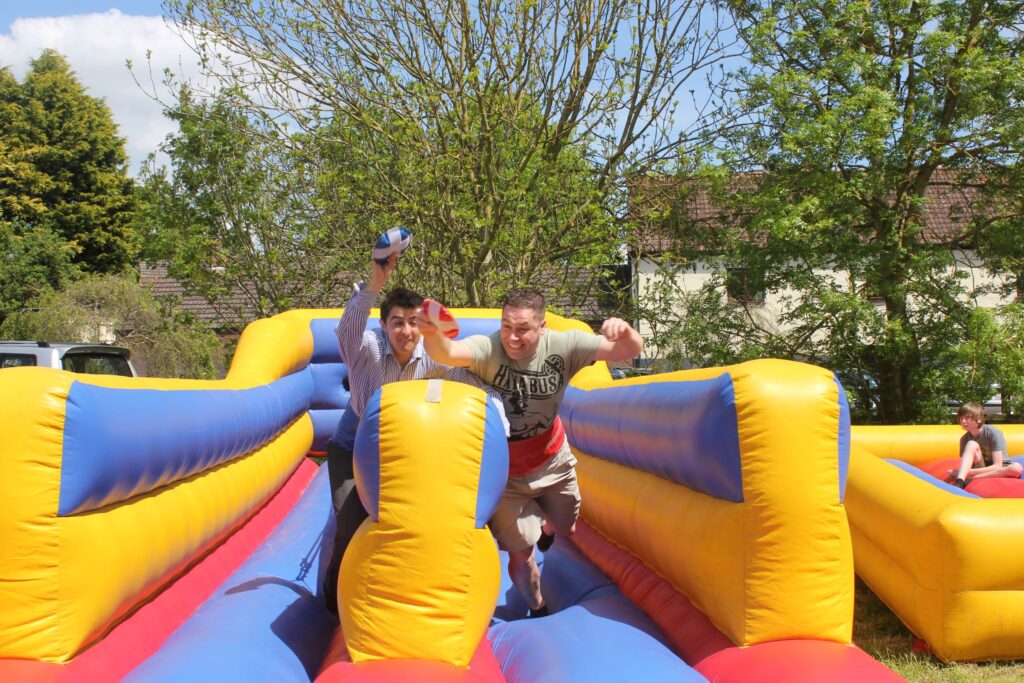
column 376, row 357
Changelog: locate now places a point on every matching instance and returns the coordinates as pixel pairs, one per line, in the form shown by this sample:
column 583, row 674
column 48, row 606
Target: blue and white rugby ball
column 394, row 241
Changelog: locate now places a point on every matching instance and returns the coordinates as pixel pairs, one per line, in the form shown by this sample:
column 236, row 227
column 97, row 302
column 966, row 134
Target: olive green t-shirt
column 532, row 389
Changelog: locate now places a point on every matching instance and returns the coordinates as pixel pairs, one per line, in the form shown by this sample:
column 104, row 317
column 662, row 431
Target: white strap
column 434, row 390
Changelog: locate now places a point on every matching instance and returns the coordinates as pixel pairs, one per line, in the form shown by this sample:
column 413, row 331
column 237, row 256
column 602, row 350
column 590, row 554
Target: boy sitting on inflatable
column 982, row 449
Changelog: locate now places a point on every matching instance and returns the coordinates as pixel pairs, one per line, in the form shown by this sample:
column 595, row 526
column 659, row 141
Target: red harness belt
column 526, row 455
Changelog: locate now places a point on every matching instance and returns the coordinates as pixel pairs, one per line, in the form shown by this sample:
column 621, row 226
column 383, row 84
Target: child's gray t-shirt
column 990, row 440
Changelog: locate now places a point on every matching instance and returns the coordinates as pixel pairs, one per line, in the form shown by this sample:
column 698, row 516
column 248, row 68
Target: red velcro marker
column 441, row 318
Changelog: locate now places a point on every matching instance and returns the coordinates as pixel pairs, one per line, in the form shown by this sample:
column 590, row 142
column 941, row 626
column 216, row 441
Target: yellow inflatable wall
column 774, row 562
column 67, row 575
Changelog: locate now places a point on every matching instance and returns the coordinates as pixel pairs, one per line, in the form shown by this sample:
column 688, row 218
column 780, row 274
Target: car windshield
column 97, row 363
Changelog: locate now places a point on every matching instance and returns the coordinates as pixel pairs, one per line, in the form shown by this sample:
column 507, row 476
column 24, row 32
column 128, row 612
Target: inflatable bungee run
column 173, row 530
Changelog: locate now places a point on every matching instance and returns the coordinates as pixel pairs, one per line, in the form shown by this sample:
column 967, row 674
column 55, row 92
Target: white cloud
column 97, row 47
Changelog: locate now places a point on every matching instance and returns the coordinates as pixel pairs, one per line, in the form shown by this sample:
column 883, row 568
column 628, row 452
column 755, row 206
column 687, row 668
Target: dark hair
column 975, row 410
column 525, row 297
column 399, row 297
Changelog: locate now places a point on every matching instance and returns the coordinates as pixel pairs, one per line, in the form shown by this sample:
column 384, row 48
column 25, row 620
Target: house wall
column 977, row 280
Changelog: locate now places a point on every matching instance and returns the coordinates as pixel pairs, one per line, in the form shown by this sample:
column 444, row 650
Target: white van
column 97, row 359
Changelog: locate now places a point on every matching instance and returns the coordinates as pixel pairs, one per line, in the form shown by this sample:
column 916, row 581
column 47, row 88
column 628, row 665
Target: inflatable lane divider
column 338, row 666
column 131, row 641
column 420, row 578
column 709, row 459
column 143, row 494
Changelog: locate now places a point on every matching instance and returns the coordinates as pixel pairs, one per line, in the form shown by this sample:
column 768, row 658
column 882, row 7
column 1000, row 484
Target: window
column 16, row 360
column 743, row 286
column 97, row 364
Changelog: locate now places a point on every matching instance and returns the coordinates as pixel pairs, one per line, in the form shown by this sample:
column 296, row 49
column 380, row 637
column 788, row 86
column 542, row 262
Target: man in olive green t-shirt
column 530, row 366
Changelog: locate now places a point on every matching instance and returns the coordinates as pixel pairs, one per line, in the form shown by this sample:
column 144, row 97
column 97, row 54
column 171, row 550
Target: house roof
column 949, row 206
column 570, row 290
column 233, row 311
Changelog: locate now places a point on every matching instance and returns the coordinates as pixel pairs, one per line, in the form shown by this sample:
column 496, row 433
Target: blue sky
column 97, row 37
column 9, row 11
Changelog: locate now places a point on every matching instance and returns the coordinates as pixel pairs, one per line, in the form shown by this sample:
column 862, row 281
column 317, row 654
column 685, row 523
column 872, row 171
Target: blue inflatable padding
column 268, row 621
column 324, row 424
column 685, row 432
column 591, row 627
column 366, row 457
column 470, row 326
column 921, row 474
column 325, row 340
column 105, row 460
column 493, row 466
column 844, row 438
column 328, row 385
column 345, row 431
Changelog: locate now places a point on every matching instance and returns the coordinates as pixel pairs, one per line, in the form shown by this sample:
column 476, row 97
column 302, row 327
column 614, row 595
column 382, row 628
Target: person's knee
column 562, row 509
column 1016, row 467
column 972, row 454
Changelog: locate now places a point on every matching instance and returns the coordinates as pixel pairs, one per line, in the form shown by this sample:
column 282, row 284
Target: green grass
column 877, row 631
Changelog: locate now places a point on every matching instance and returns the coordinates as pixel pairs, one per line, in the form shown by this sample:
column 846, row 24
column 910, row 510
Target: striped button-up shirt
column 372, row 363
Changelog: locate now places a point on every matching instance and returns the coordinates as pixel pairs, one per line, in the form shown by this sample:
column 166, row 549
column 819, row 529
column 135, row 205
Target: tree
column 498, row 132
column 853, row 117
column 62, row 165
column 35, row 261
column 164, row 341
column 237, row 218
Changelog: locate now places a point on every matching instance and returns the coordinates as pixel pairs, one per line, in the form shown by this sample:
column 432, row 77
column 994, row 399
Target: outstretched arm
column 620, row 341
column 441, row 348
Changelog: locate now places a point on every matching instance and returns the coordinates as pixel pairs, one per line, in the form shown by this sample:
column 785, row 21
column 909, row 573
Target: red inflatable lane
column 991, row 487
column 137, row 637
column 696, row 640
column 796, row 661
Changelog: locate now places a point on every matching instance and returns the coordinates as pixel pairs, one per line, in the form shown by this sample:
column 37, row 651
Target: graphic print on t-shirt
column 521, row 387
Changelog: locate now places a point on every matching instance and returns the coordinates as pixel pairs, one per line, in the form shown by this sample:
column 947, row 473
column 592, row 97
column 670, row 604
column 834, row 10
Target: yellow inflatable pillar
column 421, row 576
